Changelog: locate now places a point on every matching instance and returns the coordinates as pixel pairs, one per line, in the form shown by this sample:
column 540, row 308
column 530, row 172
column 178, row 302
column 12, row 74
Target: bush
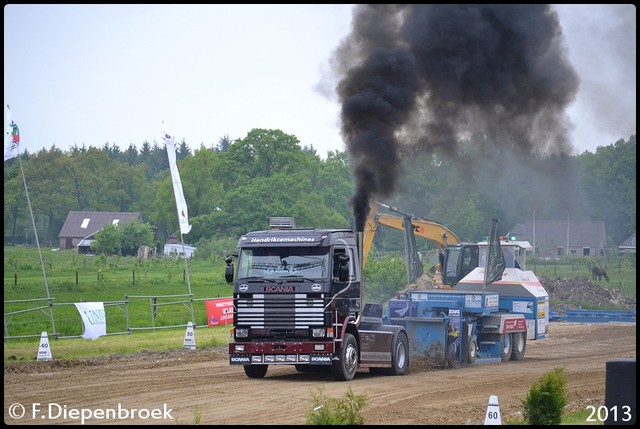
column 546, row 399
column 332, row 411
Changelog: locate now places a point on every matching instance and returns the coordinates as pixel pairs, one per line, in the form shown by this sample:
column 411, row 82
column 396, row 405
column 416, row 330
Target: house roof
column 580, row 233
column 629, row 243
column 85, row 224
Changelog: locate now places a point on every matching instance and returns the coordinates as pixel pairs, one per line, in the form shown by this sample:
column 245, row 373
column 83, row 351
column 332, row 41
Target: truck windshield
column 276, row 262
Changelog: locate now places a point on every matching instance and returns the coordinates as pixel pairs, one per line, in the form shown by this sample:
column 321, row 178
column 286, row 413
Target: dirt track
column 201, row 387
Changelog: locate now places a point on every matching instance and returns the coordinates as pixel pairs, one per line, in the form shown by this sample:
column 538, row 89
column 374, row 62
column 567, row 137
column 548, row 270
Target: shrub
column 546, row 399
column 332, row 411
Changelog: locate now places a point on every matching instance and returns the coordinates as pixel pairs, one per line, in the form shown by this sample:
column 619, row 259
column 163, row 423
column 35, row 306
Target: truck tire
column 506, row 346
column 344, row 369
column 472, row 350
column 399, row 357
column 255, row 371
column 519, row 345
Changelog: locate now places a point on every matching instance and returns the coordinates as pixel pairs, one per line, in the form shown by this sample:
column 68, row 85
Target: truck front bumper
column 284, row 353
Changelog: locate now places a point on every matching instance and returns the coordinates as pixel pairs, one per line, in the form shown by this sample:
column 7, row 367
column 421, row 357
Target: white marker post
column 493, row 412
column 190, row 338
column 44, row 351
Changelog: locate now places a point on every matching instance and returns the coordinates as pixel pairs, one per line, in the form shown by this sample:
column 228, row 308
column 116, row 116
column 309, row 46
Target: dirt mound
column 562, row 291
column 580, row 289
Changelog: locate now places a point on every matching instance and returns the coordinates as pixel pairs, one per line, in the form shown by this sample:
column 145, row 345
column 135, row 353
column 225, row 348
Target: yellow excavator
column 456, row 259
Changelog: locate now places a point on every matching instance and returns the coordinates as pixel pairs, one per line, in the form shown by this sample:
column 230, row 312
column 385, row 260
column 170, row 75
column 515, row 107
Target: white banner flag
column 181, row 204
column 12, row 138
column 94, row 319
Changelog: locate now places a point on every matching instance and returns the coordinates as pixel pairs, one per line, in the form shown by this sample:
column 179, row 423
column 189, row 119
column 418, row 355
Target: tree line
column 236, row 186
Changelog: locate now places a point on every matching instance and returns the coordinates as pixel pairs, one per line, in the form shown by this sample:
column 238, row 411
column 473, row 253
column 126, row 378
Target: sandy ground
column 199, row 386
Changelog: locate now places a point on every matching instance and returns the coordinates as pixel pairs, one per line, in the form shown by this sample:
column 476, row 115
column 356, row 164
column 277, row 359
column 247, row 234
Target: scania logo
column 240, row 359
column 243, row 287
column 279, row 289
column 316, row 287
column 320, row 358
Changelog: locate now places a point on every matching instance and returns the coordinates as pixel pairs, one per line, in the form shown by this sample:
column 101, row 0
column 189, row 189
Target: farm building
column 628, row 245
column 80, row 227
column 174, row 248
column 554, row 239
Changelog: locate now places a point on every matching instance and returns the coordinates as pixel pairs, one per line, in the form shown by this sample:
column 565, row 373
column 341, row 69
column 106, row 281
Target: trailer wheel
column 344, row 369
column 472, row 352
column 519, row 345
column 506, row 345
column 255, row 371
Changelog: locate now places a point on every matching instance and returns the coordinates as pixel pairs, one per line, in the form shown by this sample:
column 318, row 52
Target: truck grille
column 275, row 311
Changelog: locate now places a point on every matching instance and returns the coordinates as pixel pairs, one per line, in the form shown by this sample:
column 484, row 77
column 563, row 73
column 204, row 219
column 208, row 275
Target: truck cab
column 297, row 296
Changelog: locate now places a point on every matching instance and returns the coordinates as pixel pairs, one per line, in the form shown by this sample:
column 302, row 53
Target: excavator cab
column 459, row 260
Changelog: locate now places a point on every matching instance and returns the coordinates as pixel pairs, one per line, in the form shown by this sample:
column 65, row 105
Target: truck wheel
column 400, row 358
column 519, row 345
column 255, row 371
column 472, row 352
column 506, row 346
column 344, row 369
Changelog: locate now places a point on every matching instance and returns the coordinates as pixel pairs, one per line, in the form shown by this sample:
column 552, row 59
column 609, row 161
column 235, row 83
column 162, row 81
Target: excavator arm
column 428, row 229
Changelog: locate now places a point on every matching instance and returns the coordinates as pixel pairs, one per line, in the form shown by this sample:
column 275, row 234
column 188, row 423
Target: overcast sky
column 95, row 74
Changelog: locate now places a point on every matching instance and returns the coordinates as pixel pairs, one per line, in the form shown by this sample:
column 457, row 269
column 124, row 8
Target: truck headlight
column 242, row 333
column 317, row 333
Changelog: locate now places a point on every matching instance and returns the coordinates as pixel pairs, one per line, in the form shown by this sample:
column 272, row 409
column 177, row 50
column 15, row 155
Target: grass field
column 127, row 287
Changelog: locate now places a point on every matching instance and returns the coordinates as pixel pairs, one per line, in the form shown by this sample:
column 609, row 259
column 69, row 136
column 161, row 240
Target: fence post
column 134, row 276
column 76, row 277
column 153, row 311
column 126, row 312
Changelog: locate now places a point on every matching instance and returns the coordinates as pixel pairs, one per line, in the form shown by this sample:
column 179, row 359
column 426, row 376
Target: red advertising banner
column 219, row 311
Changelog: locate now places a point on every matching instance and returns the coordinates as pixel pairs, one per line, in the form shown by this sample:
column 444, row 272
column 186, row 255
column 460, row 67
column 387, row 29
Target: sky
column 88, row 75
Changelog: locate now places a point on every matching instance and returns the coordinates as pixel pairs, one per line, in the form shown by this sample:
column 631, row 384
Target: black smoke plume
column 426, row 77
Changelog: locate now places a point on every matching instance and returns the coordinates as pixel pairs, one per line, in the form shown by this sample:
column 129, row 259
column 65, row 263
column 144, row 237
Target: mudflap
column 427, row 341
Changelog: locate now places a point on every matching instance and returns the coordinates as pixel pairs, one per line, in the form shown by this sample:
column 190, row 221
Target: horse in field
column 597, row 273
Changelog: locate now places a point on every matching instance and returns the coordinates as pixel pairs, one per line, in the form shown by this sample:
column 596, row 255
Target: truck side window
column 341, row 265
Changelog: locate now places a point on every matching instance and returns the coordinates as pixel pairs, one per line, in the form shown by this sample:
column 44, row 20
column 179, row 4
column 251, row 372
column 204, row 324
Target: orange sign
column 219, row 311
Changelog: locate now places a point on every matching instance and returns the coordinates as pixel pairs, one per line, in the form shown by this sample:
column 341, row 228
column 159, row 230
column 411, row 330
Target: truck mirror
column 343, row 267
column 228, row 271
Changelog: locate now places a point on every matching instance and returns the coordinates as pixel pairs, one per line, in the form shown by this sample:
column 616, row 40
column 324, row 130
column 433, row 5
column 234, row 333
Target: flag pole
column 181, row 205
column 33, row 223
column 186, row 270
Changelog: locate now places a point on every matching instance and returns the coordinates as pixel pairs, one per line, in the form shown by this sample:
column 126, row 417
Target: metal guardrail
column 155, row 303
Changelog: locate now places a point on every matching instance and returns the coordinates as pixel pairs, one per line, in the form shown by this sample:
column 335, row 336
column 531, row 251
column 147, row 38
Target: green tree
column 108, row 241
column 609, row 176
column 262, row 153
column 385, row 277
column 133, row 235
column 48, row 192
column 15, row 203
